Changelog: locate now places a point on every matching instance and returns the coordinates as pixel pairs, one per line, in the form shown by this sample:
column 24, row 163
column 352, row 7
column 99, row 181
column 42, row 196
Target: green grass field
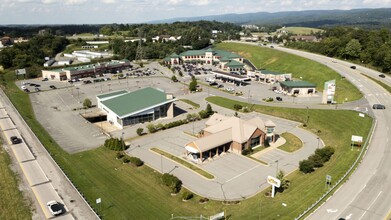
column 12, row 204
column 292, row 143
column 303, row 30
column 136, row 193
column 308, row 70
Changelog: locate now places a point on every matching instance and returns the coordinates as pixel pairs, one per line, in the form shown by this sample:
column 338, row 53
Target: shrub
column 187, row 195
column 119, row 155
column 325, row 153
column 316, row 159
column 136, row 161
column 203, row 114
column 115, row 144
column 247, row 151
column 126, row 159
column 172, row 182
column 87, row 103
column 159, row 126
column 204, row 200
column 237, row 107
column 140, row 131
column 306, row 166
column 151, row 128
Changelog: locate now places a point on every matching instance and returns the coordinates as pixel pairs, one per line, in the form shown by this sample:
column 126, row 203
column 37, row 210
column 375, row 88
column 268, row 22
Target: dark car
column 378, row 106
column 278, row 98
column 53, row 87
column 353, row 67
column 26, row 90
column 220, row 86
column 37, row 85
column 213, row 83
column 382, row 76
column 15, row 140
column 45, row 79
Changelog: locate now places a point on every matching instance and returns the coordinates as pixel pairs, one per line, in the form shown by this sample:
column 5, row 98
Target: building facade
column 298, row 87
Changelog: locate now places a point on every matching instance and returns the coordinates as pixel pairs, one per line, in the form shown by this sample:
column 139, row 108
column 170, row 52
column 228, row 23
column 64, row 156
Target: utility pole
column 139, row 51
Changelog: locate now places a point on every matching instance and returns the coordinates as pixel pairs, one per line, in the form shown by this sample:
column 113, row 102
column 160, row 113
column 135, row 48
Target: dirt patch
column 271, row 60
column 246, row 54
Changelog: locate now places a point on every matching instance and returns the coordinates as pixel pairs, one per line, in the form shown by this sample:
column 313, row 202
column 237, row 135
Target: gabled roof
column 211, row 141
column 193, row 53
column 215, row 118
column 234, row 63
column 134, row 102
column 297, row 84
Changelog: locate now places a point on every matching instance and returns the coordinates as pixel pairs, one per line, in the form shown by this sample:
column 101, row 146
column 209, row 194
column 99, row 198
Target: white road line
column 242, row 173
column 371, row 204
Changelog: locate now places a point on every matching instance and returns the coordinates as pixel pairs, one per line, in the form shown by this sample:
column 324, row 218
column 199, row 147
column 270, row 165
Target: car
column 271, row 46
column 37, row 89
column 37, row 85
column 53, row 87
column 220, row 86
column 278, row 98
column 45, row 79
column 23, row 87
column 15, row 140
column 26, row 90
column 213, row 83
column 32, row 84
column 353, row 67
column 55, row 208
column 378, row 106
column 382, row 76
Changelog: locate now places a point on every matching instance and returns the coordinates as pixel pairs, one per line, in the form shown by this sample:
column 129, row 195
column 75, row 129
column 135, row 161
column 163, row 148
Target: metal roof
column 115, row 93
column 297, row 84
column 134, row 102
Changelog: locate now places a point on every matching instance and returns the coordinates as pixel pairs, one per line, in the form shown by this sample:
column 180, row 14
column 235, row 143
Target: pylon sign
column 274, row 182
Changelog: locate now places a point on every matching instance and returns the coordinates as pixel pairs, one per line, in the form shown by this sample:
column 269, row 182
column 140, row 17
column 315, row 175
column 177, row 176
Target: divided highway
column 366, row 194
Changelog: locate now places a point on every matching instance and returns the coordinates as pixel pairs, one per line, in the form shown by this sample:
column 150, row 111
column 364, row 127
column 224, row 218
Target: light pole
column 123, row 142
column 308, row 117
column 318, row 141
column 173, row 169
column 109, row 86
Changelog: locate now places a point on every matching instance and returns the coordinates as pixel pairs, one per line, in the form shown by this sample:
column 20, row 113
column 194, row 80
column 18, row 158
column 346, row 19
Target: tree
column 87, row 103
column 174, row 79
column 209, row 110
column 306, row 166
column 284, row 182
column 353, row 48
column 193, row 86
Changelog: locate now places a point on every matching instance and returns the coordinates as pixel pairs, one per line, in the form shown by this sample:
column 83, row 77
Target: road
column 45, row 178
column 366, row 194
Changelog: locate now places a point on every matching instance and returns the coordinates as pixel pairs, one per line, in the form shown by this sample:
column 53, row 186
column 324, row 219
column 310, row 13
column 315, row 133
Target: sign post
column 274, row 182
column 328, row 181
column 99, row 201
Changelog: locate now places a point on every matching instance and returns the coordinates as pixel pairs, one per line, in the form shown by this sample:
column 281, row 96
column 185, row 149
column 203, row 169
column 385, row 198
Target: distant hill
column 371, row 18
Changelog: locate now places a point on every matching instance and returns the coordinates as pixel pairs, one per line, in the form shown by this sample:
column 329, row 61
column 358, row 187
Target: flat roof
column 136, row 101
column 115, row 93
column 297, row 84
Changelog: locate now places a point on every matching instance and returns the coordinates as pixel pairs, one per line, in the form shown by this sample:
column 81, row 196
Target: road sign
column 20, row 72
column 328, row 178
column 98, row 200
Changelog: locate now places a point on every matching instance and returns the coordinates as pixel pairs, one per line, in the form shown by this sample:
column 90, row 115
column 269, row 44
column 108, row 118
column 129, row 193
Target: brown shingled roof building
column 231, row 134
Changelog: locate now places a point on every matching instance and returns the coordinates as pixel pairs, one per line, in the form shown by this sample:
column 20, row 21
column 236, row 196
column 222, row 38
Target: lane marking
column 371, row 204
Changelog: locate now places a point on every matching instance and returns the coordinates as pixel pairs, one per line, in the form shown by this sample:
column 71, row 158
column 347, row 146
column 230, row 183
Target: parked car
column 23, row 87
column 15, row 140
column 220, row 86
column 37, row 89
column 53, row 87
column 45, row 79
column 26, row 90
column 213, row 83
column 278, row 98
column 353, row 67
column 55, row 208
column 378, row 106
column 382, row 76
column 37, row 85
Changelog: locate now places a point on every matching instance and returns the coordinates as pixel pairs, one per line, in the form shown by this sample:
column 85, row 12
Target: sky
column 139, row 11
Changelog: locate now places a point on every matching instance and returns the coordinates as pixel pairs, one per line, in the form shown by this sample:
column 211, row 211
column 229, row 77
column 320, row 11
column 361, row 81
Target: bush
column 325, row 153
column 140, row 131
column 247, row 151
column 203, row 114
column 266, row 143
column 306, row 166
column 237, row 107
column 204, row 200
column 316, row 159
column 187, row 195
column 119, row 155
column 115, row 144
column 136, row 161
column 172, row 182
column 87, row 103
column 126, row 159
column 151, row 128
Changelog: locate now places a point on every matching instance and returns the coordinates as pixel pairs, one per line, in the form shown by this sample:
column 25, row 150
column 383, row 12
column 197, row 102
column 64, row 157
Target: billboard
column 329, row 91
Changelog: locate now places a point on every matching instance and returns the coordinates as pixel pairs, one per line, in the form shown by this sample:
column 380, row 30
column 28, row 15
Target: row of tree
column 372, row 47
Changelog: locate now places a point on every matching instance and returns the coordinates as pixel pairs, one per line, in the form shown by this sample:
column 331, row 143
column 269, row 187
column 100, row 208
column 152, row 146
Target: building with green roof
column 208, row 56
column 298, row 87
column 268, row 76
column 125, row 108
column 75, row 72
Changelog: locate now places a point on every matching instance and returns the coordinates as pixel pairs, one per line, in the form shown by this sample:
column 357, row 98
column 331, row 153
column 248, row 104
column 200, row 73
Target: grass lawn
column 195, row 105
column 308, row 70
column 12, row 203
column 292, row 144
column 184, row 163
column 302, row 30
column 135, row 193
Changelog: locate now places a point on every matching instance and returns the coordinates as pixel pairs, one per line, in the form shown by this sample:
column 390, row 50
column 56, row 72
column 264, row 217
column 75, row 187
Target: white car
column 23, row 87
column 55, row 208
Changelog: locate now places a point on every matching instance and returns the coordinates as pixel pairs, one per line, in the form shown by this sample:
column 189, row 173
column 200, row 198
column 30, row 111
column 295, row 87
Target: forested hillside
column 372, row 47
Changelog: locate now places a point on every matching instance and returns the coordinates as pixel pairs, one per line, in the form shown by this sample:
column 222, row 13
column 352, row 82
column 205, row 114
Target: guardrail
column 47, row 152
column 348, row 172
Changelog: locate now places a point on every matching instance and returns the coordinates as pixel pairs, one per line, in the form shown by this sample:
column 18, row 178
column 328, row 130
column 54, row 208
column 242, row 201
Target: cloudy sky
column 137, row 11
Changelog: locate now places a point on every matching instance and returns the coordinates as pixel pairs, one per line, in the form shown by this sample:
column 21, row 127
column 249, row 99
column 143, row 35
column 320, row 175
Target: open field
column 300, row 68
column 12, row 203
column 292, row 144
column 129, row 191
column 302, row 30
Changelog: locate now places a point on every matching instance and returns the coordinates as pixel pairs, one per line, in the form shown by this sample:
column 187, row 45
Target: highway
column 366, row 194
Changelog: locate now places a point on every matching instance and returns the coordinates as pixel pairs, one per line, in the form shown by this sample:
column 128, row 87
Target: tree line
column 368, row 47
